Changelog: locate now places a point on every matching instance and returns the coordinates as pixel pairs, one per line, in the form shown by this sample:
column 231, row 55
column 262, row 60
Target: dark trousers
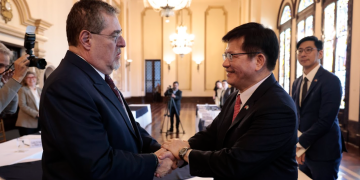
column 321, row 170
column 172, row 113
column 26, row 131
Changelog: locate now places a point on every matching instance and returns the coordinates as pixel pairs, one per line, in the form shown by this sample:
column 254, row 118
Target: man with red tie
column 255, row 134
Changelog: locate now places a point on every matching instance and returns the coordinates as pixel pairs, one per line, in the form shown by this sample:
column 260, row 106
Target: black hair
column 257, row 38
column 317, row 42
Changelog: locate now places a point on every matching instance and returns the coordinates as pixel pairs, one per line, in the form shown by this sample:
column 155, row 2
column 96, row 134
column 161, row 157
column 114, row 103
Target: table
column 142, row 114
column 8, row 154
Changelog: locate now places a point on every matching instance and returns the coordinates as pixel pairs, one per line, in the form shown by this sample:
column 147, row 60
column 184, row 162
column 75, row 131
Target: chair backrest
column 2, row 131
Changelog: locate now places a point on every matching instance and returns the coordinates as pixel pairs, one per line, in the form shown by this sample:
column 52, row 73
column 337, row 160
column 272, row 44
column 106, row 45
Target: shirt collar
column 102, row 75
column 310, row 76
column 247, row 93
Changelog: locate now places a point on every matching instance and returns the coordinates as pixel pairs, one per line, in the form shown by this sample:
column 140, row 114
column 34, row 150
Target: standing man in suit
column 225, row 93
column 255, row 134
column 317, row 95
column 176, row 95
column 88, row 130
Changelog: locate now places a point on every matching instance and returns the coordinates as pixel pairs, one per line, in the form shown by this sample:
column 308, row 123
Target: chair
column 2, row 131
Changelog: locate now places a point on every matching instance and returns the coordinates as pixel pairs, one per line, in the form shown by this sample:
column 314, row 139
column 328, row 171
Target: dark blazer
column 177, row 99
column 86, row 133
column 260, row 143
column 319, row 124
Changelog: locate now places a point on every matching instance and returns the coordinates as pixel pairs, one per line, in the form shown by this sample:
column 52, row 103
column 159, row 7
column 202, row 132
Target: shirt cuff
column 301, row 151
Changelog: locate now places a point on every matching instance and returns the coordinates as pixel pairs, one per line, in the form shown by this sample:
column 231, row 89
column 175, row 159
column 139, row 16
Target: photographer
column 175, row 95
column 10, row 79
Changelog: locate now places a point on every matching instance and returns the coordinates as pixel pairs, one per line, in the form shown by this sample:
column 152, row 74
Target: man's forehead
column 4, row 59
column 306, row 44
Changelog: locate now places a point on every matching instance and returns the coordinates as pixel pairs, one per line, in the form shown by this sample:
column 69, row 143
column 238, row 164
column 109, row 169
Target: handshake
column 168, row 156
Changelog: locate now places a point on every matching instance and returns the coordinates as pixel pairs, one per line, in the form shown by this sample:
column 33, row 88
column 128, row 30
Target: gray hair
column 87, row 15
column 4, row 50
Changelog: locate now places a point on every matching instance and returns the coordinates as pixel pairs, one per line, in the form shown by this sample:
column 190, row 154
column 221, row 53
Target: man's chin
column 116, row 66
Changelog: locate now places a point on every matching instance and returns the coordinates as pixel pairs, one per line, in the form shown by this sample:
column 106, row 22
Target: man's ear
column 320, row 54
column 84, row 39
column 260, row 61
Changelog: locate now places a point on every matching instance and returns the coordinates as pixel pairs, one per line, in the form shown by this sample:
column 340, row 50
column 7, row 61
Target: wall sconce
column 198, row 62
column 168, row 62
column 128, row 62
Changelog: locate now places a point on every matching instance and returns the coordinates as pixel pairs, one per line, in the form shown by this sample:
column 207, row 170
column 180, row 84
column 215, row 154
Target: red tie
column 236, row 107
column 111, row 83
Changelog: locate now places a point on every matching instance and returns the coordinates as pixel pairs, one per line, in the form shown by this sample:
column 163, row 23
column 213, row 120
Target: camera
column 29, row 42
column 169, row 91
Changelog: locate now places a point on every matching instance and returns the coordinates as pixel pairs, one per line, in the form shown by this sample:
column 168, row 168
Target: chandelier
column 181, row 42
column 167, row 7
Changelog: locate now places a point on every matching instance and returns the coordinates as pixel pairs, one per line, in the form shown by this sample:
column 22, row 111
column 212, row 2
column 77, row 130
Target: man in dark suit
column 225, row 93
column 174, row 105
column 317, row 95
column 255, row 134
column 88, row 129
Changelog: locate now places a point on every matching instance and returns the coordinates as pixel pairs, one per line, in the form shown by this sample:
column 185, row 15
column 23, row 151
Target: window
column 305, row 25
column 335, row 26
column 285, row 53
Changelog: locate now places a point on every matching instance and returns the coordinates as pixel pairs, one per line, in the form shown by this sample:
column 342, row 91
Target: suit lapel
column 105, row 90
column 297, row 92
column 99, row 84
column 132, row 119
column 249, row 106
column 314, row 82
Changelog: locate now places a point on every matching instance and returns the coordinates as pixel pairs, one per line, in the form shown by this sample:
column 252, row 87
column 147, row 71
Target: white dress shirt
column 244, row 96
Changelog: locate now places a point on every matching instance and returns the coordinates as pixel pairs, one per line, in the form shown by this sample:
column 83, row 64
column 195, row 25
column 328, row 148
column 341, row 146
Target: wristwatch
column 182, row 152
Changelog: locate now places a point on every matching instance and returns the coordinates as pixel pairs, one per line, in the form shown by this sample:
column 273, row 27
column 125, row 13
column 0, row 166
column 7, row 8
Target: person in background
column 225, row 93
column 217, row 93
column 11, row 80
column 176, row 95
column 317, row 95
column 29, row 100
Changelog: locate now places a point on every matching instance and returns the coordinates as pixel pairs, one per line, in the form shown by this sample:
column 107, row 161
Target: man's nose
column 226, row 63
column 121, row 42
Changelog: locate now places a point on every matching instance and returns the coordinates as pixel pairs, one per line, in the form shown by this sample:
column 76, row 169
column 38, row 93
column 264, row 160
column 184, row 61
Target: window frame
column 282, row 28
column 307, row 12
column 343, row 112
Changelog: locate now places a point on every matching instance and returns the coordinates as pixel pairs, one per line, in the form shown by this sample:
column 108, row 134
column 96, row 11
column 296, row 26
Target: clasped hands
column 168, row 156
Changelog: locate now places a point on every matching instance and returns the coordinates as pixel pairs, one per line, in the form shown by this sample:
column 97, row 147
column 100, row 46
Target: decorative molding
column 281, row 9
column 27, row 20
column 143, row 49
column 190, row 54
column 226, row 23
column 143, row 14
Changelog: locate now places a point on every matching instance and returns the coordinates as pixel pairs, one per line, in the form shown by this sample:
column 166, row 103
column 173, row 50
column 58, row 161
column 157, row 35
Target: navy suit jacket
column 86, row 133
column 317, row 115
column 260, row 143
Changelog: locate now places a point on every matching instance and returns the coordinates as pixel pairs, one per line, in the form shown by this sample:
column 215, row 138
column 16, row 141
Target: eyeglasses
column 114, row 37
column 306, row 50
column 230, row 56
column 30, row 77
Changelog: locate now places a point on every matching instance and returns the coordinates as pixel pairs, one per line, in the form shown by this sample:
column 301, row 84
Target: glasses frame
column 304, row 50
column 230, row 55
column 115, row 37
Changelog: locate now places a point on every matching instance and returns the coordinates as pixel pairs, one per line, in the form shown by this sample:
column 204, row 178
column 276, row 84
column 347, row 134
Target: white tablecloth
column 9, row 154
column 145, row 119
